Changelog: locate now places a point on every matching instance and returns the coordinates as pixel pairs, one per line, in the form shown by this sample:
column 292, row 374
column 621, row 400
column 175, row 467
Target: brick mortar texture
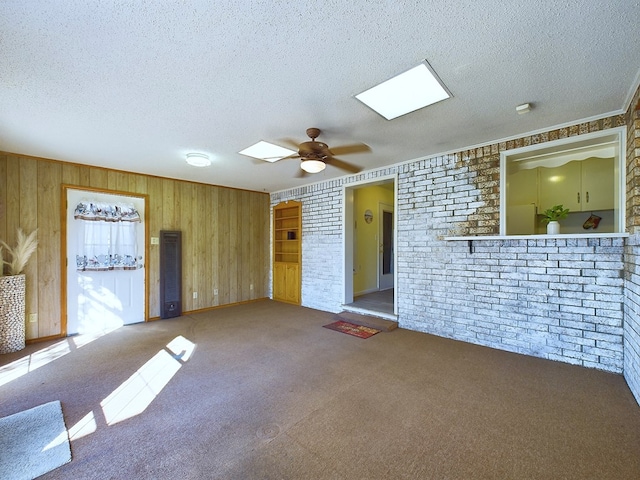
column 632, row 316
column 484, row 297
column 631, row 365
column 556, row 299
column 321, row 279
column 633, row 170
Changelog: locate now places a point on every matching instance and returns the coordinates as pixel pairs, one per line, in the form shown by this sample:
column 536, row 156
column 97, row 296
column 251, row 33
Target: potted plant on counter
column 13, row 290
column 551, row 217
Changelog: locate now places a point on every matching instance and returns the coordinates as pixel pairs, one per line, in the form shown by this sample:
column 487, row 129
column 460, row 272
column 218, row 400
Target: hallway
column 380, row 301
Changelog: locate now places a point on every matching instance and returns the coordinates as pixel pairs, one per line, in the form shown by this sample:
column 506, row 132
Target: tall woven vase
column 12, row 323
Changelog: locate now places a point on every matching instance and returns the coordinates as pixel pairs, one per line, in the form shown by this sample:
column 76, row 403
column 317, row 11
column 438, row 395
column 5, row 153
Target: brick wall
column 322, row 276
column 632, row 252
column 631, row 315
column 557, row 299
column 633, row 165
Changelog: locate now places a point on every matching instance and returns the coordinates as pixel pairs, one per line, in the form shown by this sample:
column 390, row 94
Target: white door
column 99, row 301
column 387, row 250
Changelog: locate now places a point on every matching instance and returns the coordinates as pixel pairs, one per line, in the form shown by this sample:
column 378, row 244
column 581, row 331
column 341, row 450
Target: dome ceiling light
column 198, row 160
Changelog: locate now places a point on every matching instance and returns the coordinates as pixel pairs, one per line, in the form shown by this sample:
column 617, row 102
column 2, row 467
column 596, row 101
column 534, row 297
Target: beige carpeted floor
column 270, row 394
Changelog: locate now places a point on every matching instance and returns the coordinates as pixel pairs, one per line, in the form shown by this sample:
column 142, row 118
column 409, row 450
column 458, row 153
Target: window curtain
column 106, row 212
column 107, row 237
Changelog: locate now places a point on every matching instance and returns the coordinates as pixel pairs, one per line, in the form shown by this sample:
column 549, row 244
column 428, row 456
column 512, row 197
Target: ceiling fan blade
column 290, row 143
column 260, row 161
column 349, row 167
column 347, row 149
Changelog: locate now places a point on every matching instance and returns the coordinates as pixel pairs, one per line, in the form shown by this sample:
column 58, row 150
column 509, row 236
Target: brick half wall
column 559, row 299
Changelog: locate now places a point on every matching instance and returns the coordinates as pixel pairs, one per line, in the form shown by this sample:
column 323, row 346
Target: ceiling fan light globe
column 312, row 166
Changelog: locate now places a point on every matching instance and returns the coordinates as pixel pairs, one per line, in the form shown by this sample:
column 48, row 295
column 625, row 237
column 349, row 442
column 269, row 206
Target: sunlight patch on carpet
column 138, row 391
column 46, row 355
column 84, row 427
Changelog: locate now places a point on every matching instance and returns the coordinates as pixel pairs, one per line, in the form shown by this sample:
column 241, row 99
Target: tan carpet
column 270, row 394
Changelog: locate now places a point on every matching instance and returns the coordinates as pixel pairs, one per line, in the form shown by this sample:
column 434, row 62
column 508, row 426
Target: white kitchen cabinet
column 597, row 184
column 580, row 186
column 560, row 186
column 584, row 173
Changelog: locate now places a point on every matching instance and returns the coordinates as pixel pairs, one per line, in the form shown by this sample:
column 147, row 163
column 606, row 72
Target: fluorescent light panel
column 405, row 93
column 267, row 151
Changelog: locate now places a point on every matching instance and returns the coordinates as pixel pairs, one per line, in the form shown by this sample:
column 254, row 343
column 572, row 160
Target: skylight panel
column 405, row 93
column 267, row 151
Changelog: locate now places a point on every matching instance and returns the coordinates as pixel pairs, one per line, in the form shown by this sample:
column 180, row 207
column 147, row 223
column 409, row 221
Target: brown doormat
column 359, row 331
column 370, row 321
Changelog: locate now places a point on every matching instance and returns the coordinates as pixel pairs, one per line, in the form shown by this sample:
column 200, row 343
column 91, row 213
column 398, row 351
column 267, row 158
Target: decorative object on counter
column 13, row 291
column 592, row 222
column 551, row 217
column 553, row 228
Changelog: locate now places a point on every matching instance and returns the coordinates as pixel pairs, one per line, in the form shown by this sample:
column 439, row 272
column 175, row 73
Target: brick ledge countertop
column 539, row 237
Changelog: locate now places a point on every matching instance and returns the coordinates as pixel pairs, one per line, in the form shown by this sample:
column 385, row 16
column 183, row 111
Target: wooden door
column 99, row 301
column 386, row 251
column 292, row 281
column 279, row 281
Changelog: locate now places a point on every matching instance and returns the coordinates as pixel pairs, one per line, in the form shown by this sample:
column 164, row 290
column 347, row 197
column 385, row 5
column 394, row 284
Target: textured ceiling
column 135, row 85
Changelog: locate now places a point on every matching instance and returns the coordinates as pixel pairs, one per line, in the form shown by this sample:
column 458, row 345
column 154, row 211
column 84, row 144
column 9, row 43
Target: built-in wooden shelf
column 287, row 251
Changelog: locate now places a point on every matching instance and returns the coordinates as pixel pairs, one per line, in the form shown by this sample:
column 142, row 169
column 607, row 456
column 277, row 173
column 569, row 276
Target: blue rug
column 33, row 442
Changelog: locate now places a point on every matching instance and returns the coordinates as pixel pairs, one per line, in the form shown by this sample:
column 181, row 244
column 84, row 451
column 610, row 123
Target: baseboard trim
column 215, row 307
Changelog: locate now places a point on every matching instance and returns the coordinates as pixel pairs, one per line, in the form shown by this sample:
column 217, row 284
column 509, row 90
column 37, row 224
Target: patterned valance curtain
column 107, row 212
column 107, row 236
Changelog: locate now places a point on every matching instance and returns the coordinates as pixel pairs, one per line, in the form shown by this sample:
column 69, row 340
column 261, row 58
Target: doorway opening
column 104, row 266
column 369, row 248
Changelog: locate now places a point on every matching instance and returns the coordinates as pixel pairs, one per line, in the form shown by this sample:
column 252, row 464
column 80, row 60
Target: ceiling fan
column 315, row 156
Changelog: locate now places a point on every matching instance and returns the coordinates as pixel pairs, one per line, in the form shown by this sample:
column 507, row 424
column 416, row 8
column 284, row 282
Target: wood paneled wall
column 225, row 233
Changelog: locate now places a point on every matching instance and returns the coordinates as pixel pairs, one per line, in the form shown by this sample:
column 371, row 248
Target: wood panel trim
column 60, row 336
column 217, row 307
column 212, row 244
